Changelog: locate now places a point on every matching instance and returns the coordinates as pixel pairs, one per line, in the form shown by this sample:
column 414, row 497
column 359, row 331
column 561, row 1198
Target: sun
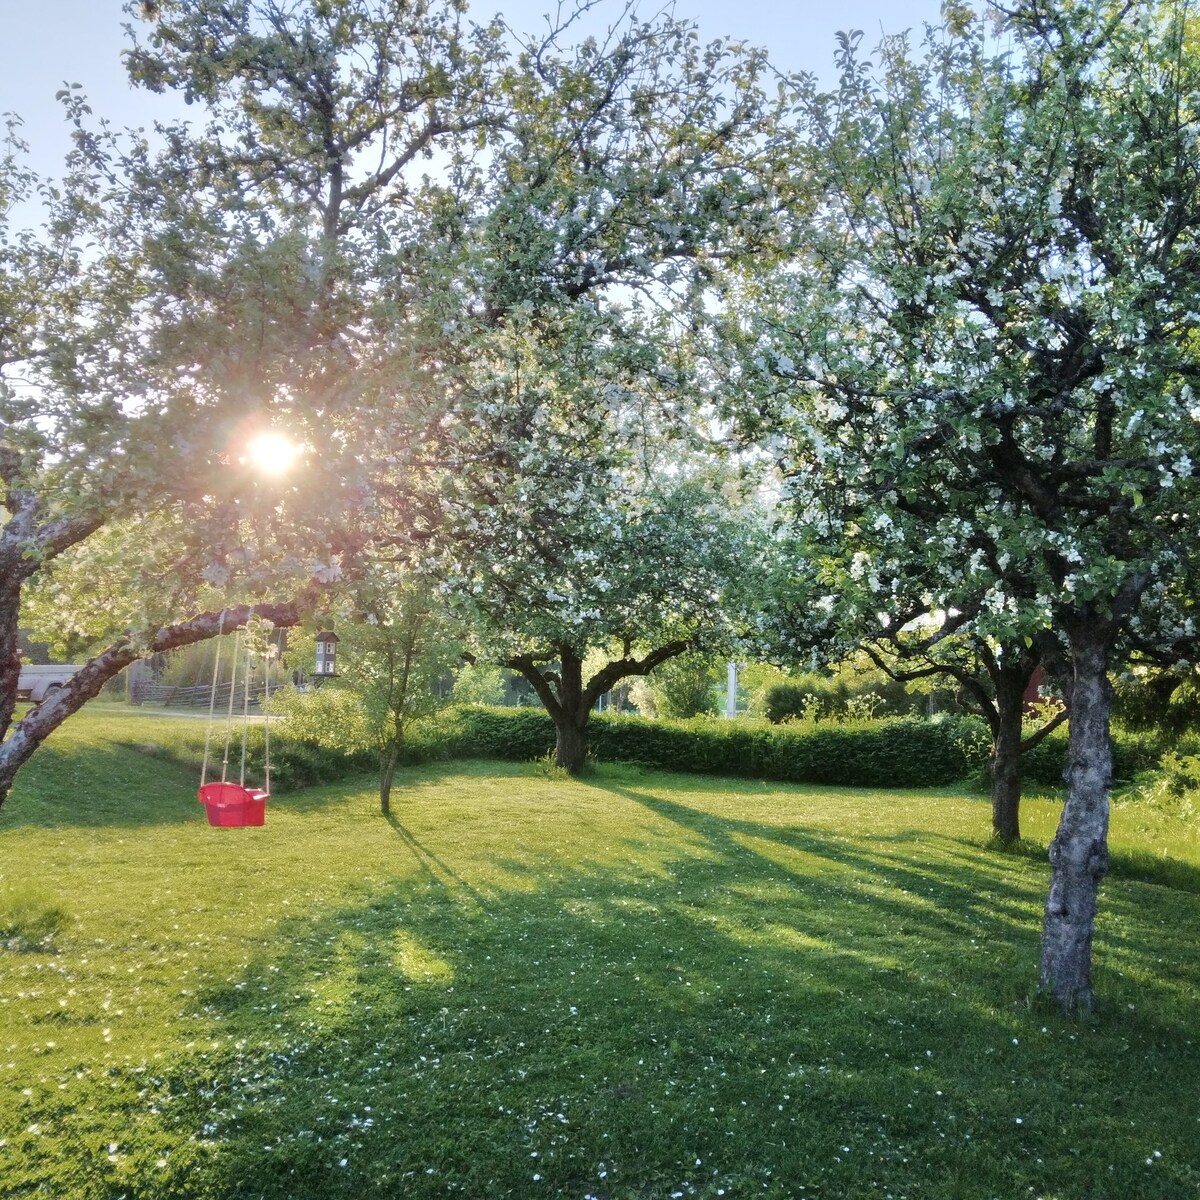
column 271, row 453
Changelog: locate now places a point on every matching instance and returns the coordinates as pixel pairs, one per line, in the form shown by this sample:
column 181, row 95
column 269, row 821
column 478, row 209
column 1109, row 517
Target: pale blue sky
column 48, row 42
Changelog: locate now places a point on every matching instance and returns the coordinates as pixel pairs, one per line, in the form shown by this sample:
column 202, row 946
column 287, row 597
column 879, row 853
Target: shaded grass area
column 632, row 986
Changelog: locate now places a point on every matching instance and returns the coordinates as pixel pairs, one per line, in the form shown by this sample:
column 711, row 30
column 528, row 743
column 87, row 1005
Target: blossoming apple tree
column 563, row 496
column 980, row 360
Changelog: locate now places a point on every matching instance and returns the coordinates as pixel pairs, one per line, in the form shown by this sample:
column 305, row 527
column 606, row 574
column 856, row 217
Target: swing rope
column 237, row 642
column 212, row 706
column 267, row 719
column 212, row 700
column 245, row 711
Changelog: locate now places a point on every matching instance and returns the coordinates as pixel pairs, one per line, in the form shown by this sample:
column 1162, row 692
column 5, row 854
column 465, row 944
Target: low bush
column 298, row 762
column 1133, row 753
column 809, row 696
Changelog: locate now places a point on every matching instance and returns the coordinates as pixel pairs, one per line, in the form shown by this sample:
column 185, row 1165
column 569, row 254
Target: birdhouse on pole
column 326, row 664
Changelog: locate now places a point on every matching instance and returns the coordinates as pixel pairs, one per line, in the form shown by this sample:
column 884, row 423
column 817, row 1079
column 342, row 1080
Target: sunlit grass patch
column 631, row 986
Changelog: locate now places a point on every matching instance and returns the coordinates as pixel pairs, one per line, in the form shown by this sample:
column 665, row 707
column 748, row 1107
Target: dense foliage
column 977, row 366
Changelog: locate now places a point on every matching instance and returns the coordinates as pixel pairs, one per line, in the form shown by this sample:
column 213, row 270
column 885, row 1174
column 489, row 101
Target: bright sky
column 49, row 42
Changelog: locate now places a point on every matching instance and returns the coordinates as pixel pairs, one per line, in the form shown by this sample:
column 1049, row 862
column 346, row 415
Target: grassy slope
column 633, row 986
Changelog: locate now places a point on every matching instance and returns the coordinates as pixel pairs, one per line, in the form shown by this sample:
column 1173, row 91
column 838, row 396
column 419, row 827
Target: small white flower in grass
column 537, row 1178
column 1019, row 1121
column 343, row 1162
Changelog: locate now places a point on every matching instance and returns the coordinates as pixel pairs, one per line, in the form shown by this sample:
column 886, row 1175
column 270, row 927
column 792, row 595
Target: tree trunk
column 1079, row 851
column 569, row 702
column 1006, row 760
column 570, row 743
column 10, row 657
column 570, row 722
column 387, row 770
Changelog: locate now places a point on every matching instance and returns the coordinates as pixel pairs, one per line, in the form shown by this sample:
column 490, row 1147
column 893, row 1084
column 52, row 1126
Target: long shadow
column 114, row 785
column 438, row 871
column 980, row 899
column 975, row 902
column 92, row 786
column 661, row 1028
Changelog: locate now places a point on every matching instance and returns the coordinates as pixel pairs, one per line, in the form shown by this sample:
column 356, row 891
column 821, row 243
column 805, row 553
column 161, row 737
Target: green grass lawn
column 632, row 986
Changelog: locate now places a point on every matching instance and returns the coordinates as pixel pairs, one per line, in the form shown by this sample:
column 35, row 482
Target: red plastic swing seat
column 229, row 805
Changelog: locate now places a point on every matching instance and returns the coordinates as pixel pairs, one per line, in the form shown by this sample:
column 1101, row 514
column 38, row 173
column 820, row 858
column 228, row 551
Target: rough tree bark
column 1006, row 757
column 33, row 729
column 569, row 699
column 1079, row 851
column 1006, row 718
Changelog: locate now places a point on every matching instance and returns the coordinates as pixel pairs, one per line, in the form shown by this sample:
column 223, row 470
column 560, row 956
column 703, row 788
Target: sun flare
column 271, row 453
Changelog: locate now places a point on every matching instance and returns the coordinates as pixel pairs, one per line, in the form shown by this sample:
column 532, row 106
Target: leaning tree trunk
column 10, row 655
column 1006, row 760
column 1079, row 851
column 387, row 772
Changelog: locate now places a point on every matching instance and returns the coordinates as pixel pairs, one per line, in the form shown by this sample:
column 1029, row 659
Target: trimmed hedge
column 892, row 752
column 898, row 752
column 1132, row 753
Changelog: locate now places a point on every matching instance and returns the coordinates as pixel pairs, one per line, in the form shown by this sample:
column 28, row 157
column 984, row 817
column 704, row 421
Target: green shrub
column 297, row 762
column 478, row 685
column 1174, row 787
column 685, row 686
column 888, row 752
column 808, row 697
column 331, row 716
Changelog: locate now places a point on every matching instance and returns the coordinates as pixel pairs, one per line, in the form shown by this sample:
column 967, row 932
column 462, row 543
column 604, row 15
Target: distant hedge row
column 893, row 752
column 900, row 752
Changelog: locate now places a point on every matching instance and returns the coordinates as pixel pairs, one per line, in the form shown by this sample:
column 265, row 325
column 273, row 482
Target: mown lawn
column 629, row 987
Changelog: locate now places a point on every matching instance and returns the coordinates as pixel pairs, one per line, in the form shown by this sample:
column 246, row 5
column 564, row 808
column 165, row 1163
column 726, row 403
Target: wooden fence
column 146, row 692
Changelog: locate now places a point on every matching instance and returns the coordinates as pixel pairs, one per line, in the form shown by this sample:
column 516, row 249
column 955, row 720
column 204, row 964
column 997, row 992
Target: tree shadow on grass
column 966, row 896
column 708, row 1003
column 439, row 873
column 969, row 886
